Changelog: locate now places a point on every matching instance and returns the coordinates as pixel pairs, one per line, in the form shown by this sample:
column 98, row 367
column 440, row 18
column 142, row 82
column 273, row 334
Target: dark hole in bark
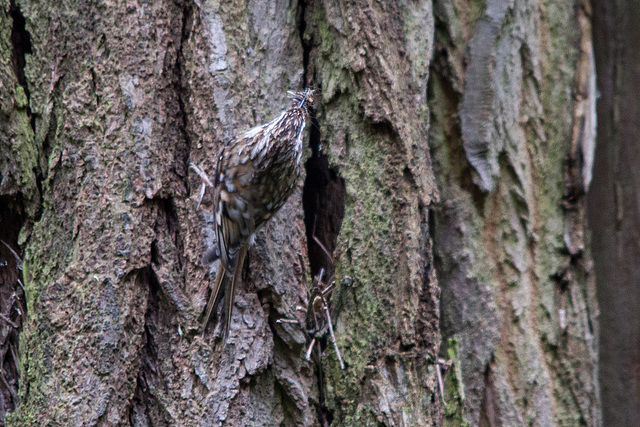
column 12, row 303
column 323, row 204
column 21, row 42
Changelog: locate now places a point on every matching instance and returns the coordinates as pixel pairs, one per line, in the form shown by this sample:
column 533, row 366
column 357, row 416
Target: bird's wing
column 234, row 221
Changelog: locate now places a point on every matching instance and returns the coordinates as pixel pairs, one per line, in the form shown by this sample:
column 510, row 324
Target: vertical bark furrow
column 20, row 193
column 21, row 44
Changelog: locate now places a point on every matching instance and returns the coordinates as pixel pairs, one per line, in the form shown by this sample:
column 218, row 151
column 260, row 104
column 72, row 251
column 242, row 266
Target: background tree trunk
column 512, row 101
column 452, row 140
column 614, row 211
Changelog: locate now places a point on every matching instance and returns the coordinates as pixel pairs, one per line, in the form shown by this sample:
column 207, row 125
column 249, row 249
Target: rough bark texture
column 122, row 96
column 614, row 208
column 112, row 103
column 104, row 104
column 371, row 61
column 19, row 194
column 512, row 133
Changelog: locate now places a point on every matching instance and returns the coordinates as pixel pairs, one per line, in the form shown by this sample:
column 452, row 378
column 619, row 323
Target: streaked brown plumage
column 257, row 172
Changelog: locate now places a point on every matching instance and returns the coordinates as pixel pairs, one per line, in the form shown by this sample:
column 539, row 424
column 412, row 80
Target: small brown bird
column 257, row 172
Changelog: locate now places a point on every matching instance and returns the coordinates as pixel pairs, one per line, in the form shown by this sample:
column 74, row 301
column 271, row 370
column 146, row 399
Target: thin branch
column 205, row 181
column 15, row 255
column 203, row 176
column 333, row 338
column 320, row 276
column 14, row 358
column 9, row 321
column 22, row 286
column 439, row 364
column 318, row 242
column 328, row 289
column 308, row 355
column 14, row 396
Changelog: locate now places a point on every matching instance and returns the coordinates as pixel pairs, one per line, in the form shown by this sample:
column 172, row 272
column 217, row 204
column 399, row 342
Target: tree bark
column 371, row 61
column 512, row 137
column 451, row 139
column 614, row 213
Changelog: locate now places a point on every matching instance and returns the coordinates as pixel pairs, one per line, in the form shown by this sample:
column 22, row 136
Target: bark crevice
column 145, row 409
column 14, row 214
column 323, row 203
column 12, row 302
column 21, row 43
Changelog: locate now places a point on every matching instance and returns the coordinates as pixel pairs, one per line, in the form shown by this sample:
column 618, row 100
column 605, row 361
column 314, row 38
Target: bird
column 256, row 173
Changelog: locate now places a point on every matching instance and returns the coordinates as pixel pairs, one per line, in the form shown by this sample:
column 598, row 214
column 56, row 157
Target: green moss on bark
column 454, row 387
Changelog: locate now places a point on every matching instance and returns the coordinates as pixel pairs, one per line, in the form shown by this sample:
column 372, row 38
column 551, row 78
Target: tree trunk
column 449, row 138
column 614, row 208
column 512, row 137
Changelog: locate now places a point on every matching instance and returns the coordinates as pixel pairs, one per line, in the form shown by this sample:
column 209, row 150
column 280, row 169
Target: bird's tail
column 216, row 294
column 229, row 284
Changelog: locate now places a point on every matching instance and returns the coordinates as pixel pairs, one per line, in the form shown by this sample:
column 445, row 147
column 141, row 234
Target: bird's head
column 303, row 100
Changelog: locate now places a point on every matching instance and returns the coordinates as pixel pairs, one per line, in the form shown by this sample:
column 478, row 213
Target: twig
column 439, row 364
column 14, row 396
column 333, row 338
column 308, row 355
column 9, row 321
column 319, row 304
column 205, row 181
column 315, row 239
column 14, row 358
column 15, row 255
column 319, row 276
column 318, row 242
column 328, row 289
column 22, row 286
column 201, row 174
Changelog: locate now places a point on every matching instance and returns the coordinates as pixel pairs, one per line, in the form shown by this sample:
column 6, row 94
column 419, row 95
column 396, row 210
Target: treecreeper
column 256, row 173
